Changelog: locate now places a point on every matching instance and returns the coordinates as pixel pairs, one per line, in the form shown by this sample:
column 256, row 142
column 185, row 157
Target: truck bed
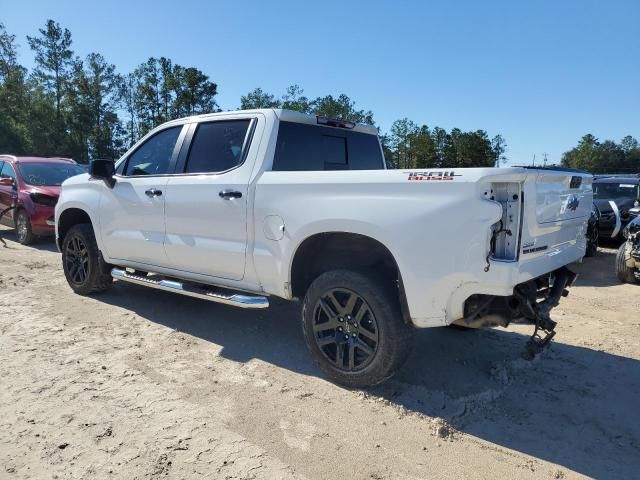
column 452, row 232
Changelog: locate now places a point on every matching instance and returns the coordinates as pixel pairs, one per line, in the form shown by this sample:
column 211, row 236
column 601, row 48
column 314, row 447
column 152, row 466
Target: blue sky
column 542, row 73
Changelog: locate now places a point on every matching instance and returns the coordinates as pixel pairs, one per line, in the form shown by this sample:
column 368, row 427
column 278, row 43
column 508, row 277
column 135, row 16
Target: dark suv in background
column 29, row 191
column 617, row 199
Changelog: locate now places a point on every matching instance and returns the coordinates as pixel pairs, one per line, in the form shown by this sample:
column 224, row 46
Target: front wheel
column 24, row 233
column 623, row 272
column 354, row 329
column 84, row 267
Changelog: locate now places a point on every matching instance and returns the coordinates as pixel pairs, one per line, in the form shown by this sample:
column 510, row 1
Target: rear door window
column 303, row 147
column 217, row 146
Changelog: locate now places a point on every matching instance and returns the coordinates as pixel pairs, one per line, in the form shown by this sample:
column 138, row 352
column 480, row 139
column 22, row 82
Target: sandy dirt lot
column 135, row 384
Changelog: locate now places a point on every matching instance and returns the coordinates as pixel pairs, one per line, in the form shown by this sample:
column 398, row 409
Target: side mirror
column 7, row 182
column 103, row 170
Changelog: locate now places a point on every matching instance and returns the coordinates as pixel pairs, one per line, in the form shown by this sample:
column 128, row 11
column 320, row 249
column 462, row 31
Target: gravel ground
column 135, row 383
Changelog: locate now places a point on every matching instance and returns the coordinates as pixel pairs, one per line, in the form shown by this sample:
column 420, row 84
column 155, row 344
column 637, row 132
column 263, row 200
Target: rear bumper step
column 211, row 294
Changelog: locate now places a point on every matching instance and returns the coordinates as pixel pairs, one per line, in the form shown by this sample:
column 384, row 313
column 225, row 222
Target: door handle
column 230, row 194
column 153, row 192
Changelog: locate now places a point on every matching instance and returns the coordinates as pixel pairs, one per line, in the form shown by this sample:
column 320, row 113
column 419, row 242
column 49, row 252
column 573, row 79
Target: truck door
column 206, row 202
column 132, row 212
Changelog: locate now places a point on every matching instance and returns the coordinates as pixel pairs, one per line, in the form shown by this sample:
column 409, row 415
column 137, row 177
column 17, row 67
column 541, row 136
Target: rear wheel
column 623, row 272
column 354, row 329
column 24, row 233
column 84, row 267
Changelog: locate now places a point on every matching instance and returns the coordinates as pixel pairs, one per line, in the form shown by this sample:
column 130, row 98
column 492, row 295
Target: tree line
column 84, row 108
column 407, row 145
column 604, row 157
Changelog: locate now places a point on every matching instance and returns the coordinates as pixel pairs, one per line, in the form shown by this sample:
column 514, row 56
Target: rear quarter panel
column 437, row 231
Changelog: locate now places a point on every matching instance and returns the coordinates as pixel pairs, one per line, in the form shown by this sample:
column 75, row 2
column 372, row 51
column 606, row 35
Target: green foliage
column 54, row 60
column 195, row 93
column 294, row 99
column 85, row 109
column 158, row 91
column 13, row 99
column 499, row 147
column 92, row 103
column 411, row 146
column 258, row 98
column 341, row 107
column 604, row 157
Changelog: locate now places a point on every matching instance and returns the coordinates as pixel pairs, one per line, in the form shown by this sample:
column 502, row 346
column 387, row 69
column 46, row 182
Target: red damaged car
column 29, row 190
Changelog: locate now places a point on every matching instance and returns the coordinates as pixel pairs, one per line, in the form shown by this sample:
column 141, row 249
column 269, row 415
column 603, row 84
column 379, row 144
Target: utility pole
column 544, row 164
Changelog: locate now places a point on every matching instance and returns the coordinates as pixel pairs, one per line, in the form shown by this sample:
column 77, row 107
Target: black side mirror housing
column 103, row 170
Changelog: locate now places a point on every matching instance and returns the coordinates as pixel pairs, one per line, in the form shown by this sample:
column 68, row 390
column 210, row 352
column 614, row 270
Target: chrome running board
column 204, row 292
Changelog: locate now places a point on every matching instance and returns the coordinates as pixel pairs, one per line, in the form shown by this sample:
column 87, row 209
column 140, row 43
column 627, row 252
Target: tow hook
column 544, row 330
column 536, row 343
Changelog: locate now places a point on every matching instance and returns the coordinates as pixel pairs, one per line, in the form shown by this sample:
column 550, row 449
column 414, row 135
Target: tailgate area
column 562, row 196
column 543, row 226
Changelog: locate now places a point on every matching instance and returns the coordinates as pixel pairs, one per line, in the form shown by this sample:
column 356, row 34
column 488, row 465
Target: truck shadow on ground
column 8, row 240
column 573, row 406
column 599, row 270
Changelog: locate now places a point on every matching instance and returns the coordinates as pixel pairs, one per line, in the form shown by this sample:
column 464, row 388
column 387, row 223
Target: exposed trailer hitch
column 530, row 304
column 539, row 312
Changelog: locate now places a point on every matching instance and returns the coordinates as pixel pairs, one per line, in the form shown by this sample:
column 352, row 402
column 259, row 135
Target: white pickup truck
column 238, row 206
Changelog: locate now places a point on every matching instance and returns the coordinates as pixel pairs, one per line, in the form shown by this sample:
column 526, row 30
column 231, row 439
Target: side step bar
column 212, row 294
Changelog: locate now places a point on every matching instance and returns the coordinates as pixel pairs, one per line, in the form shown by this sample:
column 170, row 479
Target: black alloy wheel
column 77, row 260
column 83, row 265
column 345, row 329
column 354, row 327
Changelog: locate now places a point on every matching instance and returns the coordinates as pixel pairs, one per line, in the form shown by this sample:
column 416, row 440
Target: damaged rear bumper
column 531, row 303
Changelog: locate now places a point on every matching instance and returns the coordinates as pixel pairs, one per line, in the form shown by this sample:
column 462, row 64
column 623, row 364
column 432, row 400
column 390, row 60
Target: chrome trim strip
column 235, row 299
column 616, row 230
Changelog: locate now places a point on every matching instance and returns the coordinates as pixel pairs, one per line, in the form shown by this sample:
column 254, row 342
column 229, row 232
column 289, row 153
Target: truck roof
column 295, row 117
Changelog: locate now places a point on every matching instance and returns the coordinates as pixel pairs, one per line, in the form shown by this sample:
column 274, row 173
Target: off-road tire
column 623, row 272
column 24, row 233
column 394, row 335
column 98, row 272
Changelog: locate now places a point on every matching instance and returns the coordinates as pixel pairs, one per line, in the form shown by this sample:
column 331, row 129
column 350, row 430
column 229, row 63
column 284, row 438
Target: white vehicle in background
column 238, row 206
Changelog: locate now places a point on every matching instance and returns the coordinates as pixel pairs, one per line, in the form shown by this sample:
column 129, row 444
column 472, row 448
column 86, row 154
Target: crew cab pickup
column 236, row 207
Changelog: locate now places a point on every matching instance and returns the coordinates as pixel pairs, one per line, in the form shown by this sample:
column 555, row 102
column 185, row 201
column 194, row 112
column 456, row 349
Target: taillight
column 43, row 199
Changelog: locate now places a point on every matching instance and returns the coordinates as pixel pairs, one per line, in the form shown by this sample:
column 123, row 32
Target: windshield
column 48, row 174
column 615, row 190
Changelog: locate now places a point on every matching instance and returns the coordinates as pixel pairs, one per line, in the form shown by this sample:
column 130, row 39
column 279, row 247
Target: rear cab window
column 304, row 147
